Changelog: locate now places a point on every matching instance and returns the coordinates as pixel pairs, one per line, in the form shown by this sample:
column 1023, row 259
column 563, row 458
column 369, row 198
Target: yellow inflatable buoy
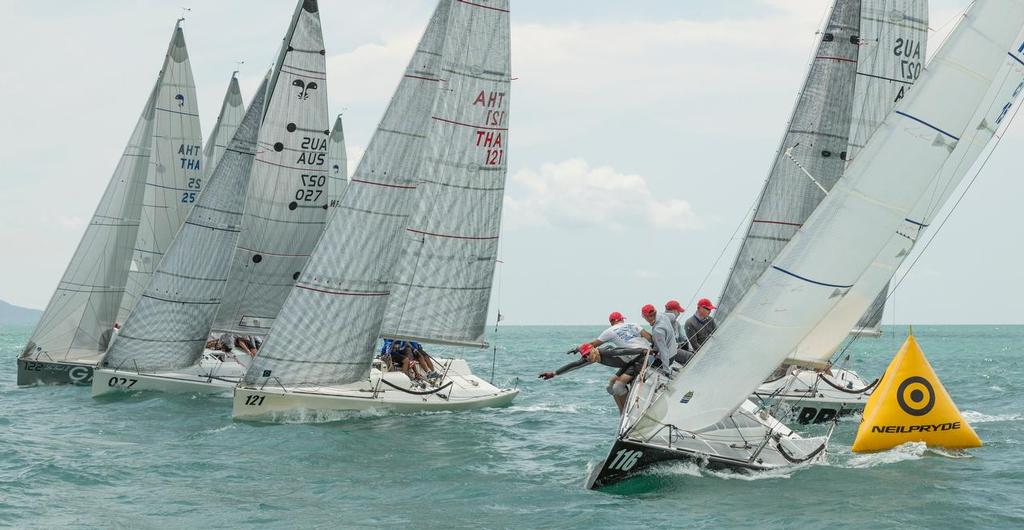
column 911, row 405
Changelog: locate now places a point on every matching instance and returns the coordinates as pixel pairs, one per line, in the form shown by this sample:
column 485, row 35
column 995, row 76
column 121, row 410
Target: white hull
column 210, row 377
column 382, row 391
column 806, row 396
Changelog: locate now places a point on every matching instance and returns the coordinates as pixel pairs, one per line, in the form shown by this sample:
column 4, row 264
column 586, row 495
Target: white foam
column 977, row 417
column 900, row 453
column 569, row 408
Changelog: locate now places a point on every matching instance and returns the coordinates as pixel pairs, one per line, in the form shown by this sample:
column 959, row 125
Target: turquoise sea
column 155, row 461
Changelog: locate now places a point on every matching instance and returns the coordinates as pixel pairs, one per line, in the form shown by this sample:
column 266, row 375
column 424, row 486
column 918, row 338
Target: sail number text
column 314, row 154
column 908, row 52
column 491, row 135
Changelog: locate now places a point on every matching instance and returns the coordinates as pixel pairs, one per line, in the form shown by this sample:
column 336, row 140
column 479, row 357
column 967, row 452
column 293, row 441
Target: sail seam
column 780, row 269
column 344, row 293
column 449, row 236
column 453, row 122
column 922, row 122
column 483, row 6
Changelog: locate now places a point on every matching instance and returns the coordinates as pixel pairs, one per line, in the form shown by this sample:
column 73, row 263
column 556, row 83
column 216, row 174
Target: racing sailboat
column 410, row 251
column 687, row 417
column 869, row 55
column 274, row 178
column 232, row 110
column 149, row 187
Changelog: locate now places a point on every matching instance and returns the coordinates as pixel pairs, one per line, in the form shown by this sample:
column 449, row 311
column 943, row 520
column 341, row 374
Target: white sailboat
column 78, row 323
column 686, row 417
column 870, row 54
column 338, row 164
column 276, row 160
column 287, row 206
column 161, row 345
column 175, row 174
column 439, row 153
column 232, row 110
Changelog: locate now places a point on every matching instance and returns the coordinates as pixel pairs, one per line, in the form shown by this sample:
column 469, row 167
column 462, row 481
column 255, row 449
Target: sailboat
column 410, row 252
column 687, row 417
column 276, row 161
column 154, row 170
column 338, row 164
column 232, row 111
column 869, row 55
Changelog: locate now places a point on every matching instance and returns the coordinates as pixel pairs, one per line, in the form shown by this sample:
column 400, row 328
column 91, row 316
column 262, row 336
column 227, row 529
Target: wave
column 973, row 416
column 900, row 453
column 568, row 408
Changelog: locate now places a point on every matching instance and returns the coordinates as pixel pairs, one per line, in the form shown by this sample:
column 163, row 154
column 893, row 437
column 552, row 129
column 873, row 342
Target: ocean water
column 67, row 459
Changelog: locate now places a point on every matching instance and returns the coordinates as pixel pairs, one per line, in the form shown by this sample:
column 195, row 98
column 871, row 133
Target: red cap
column 615, row 317
column 705, row 303
column 648, row 310
column 673, row 305
column 585, row 348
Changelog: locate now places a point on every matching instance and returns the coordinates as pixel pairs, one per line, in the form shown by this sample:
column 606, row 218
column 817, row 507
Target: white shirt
column 624, row 335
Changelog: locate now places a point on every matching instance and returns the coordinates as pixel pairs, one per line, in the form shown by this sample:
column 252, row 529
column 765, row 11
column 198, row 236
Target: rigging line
column 752, row 210
column 789, row 154
column 970, row 183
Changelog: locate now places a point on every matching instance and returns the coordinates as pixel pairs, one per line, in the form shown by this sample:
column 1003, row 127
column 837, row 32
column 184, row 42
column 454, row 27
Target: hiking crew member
column 662, row 334
column 623, row 335
column 701, row 325
column 674, row 312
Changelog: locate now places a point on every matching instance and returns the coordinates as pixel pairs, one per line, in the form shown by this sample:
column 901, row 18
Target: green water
column 178, row 461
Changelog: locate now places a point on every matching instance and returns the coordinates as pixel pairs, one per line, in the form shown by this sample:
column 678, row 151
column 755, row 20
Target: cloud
column 571, row 192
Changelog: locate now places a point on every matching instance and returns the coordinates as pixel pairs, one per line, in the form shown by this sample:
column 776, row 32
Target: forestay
column 327, row 329
column 287, row 208
column 169, row 325
column 175, row 172
column 231, row 113
column 870, row 52
column 338, row 173
column 993, row 113
column 445, row 269
column 79, row 318
column 842, row 238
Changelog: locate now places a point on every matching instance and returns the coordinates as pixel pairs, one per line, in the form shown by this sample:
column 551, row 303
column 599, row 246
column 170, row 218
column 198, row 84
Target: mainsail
column 175, row 172
column 288, row 187
column 327, row 328
column 871, row 51
column 79, row 317
column 843, row 237
column 993, row 113
column 231, row 113
column 169, row 325
column 338, row 158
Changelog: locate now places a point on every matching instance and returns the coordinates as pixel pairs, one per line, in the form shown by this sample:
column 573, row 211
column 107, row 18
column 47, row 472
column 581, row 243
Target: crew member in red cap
column 630, row 344
column 701, row 325
column 674, row 311
column 664, row 337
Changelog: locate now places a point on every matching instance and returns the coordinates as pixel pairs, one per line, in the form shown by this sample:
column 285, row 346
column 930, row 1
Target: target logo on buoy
column 915, row 396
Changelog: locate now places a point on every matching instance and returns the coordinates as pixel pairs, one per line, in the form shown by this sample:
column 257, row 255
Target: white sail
column 232, row 110
column 169, row 325
column 328, row 326
column 443, row 277
column 79, row 317
column 870, row 52
column 288, row 188
column 855, row 222
column 175, row 168
column 827, row 336
column 338, row 157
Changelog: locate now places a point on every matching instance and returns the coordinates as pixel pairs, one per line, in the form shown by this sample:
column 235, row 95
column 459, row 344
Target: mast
column 843, row 237
column 175, row 175
column 327, row 328
column 169, row 325
column 338, row 157
column 79, row 317
column 288, row 188
column 232, row 110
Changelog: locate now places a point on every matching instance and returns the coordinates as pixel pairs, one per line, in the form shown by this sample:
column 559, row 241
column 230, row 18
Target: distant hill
column 12, row 315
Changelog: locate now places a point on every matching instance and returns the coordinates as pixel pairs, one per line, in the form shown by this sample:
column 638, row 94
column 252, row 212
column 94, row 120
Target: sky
column 640, row 135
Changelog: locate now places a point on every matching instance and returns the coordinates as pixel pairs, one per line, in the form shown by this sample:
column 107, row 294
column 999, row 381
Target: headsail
column 870, row 52
column 327, row 329
column 288, row 187
column 443, row 277
column 232, row 110
column 994, row 112
column 169, row 325
column 855, row 222
column 175, row 168
column 338, row 167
